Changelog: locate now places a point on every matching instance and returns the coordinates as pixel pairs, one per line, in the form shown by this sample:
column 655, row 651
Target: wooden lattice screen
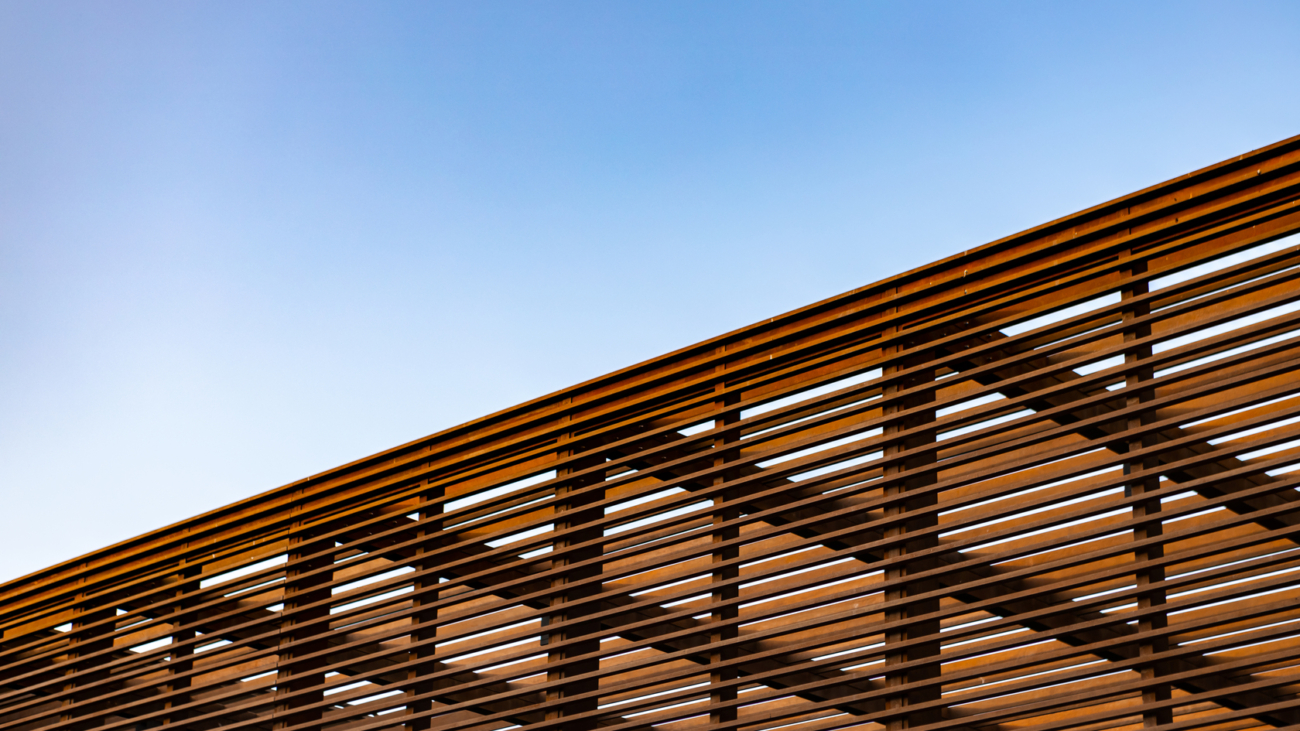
column 1048, row 483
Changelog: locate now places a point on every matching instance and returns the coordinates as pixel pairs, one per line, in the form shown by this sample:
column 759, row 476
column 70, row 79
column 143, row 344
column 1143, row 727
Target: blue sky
column 241, row 243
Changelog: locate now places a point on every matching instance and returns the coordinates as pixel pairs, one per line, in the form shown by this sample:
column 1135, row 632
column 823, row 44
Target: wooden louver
column 1049, row 483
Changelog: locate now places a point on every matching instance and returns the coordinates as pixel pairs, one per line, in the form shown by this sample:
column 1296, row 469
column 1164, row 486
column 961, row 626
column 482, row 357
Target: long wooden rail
column 1048, row 483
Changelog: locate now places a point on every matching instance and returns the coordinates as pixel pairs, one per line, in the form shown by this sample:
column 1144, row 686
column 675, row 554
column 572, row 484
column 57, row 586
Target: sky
column 242, row 243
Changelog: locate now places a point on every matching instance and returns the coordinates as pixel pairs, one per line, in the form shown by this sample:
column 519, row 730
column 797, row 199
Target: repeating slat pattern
column 1050, row 483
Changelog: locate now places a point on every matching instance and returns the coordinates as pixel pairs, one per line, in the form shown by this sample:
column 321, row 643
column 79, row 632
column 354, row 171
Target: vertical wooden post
column 1136, row 375
column 301, row 590
column 570, row 514
column 725, row 508
column 910, row 447
column 84, row 642
column 425, row 622
column 181, row 659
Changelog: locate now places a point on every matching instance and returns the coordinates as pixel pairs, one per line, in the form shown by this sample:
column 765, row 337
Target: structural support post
column 725, row 508
column 85, row 642
column 1137, row 393
column 910, row 446
column 424, row 621
column 297, row 675
column 181, row 658
column 574, row 514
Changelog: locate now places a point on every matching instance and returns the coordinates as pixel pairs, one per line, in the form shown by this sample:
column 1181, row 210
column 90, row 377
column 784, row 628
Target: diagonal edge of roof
column 875, row 289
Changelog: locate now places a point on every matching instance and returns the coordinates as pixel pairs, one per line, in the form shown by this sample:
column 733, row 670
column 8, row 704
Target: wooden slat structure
column 1048, row 483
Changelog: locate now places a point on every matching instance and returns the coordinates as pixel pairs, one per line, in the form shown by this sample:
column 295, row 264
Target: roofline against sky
column 874, row 291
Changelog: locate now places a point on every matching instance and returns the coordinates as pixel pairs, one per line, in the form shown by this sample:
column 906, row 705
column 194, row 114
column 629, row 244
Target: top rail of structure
column 1090, row 223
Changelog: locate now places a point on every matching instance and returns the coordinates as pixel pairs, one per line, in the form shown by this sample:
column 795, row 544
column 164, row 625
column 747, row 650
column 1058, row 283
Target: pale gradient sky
column 241, row 243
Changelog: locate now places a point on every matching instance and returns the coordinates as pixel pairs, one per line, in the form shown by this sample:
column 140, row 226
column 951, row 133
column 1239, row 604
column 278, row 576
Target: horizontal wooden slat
column 1048, row 483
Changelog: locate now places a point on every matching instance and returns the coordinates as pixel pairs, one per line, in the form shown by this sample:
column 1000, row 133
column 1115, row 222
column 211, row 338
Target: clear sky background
column 242, row 243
